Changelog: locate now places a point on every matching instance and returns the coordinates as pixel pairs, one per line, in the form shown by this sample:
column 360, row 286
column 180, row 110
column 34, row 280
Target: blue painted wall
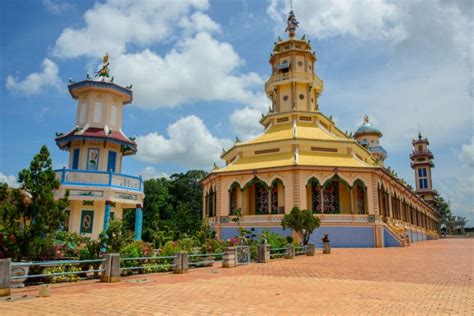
column 229, row 232
column 389, row 239
column 345, row 237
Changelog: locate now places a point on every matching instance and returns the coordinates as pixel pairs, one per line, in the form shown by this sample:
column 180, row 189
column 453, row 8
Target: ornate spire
column 292, row 24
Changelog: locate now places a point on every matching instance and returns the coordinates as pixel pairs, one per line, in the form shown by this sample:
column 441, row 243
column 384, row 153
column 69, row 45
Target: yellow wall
column 76, row 208
column 344, row 199
column 103, row 154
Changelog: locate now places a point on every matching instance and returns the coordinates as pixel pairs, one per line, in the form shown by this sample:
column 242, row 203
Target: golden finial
column 106, row 58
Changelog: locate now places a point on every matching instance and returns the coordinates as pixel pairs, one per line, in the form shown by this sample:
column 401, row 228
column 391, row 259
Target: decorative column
column 269, row 195
column 352, row 200
column 138, row 222
column 108, row 204
column 321, row 192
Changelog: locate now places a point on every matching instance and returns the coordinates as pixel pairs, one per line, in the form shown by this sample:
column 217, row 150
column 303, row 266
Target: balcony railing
column 378, row 149
column 293, row 75
column 417, row 153
column 99, row 179
column 276, row 218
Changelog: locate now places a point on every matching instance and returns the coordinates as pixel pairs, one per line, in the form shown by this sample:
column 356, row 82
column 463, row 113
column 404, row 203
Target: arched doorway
column 257, row 197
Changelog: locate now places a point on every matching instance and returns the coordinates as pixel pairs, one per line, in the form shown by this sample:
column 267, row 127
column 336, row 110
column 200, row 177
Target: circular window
column 301, row 97
column 300, row 63
column 285, row 98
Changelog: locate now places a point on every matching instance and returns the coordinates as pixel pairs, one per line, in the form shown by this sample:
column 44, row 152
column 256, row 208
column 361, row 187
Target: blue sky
column 198, row 68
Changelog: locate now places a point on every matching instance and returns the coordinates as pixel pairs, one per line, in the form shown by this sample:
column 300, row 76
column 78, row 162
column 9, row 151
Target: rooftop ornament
column 104, row 71
column 292, row 24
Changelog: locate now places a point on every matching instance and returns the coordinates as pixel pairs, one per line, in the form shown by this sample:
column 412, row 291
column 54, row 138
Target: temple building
column 302, row 159
column 98, row 191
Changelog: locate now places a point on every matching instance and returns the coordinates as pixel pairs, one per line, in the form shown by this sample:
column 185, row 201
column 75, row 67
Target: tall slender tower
column 293, row 85
column 422, row 163
column 369, row 136
column 98, row 191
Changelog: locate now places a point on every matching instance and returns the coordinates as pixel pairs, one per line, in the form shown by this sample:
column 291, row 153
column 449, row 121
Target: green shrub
column 61, row 269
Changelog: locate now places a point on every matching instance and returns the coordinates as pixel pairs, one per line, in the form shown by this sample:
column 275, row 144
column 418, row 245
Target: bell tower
column 422, row 162
column 293, row 85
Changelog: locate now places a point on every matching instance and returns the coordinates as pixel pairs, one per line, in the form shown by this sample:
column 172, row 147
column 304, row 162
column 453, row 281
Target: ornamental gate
column 243, row 255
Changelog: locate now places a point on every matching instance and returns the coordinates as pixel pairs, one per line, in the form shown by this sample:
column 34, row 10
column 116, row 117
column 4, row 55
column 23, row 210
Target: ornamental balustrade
column 303, row 76
column 276, row 218
column 99, row 178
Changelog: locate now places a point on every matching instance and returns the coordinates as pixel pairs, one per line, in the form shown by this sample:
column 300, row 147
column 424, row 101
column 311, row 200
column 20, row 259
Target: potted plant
column 326, row 244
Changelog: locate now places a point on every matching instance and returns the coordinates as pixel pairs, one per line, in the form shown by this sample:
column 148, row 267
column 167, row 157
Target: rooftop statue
column 104, row 71
column 292, row 24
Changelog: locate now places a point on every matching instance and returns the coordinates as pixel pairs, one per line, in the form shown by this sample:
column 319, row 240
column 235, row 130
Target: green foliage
column 33, row 206
column 274, row 240
column 172, row 206
column 61, row 269
column 116, row 237
column 302, row 222
column 443, row 209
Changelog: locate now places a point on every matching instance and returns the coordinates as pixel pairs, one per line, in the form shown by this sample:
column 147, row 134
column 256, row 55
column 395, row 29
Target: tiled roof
column 96, row 132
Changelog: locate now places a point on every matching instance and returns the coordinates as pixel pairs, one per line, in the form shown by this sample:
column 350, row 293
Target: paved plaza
column 432, row 277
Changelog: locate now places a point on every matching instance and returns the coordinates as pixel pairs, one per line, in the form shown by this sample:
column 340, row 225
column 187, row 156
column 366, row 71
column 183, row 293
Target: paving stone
column 429, row 278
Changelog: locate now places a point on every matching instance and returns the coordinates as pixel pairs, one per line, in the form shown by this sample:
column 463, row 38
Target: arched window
column 315, row 196
column 360, row 194
column 331, row 197
column 233, row 198
column 275, row 207
column 211, row 202
column 261, row 198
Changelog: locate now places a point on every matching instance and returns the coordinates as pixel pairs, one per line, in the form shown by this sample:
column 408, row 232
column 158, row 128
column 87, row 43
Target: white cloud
column 367, row 19
column 467, row 154
column 55, row 7
column 35, row 82
column 189, row 144
column 198, row 68
column 198, row 22
column 404, row 99
column 111, row 26
column 246, row 122
column 10, row 180
column 152, row 173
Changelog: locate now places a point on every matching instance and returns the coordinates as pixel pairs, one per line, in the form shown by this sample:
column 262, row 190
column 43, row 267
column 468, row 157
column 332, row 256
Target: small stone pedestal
column 311, row 250
column 111, row 267
column 290, row 252
column 181, row 263
column 326, row 247
column 229, row 260
column 5, row 277
column 263, row 253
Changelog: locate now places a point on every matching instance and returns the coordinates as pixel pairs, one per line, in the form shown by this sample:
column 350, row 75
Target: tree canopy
column 172, row 207
column 29, row 215
column 303, row 222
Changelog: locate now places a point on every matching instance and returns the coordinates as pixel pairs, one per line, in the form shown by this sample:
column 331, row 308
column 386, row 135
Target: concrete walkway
column 432, row 277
